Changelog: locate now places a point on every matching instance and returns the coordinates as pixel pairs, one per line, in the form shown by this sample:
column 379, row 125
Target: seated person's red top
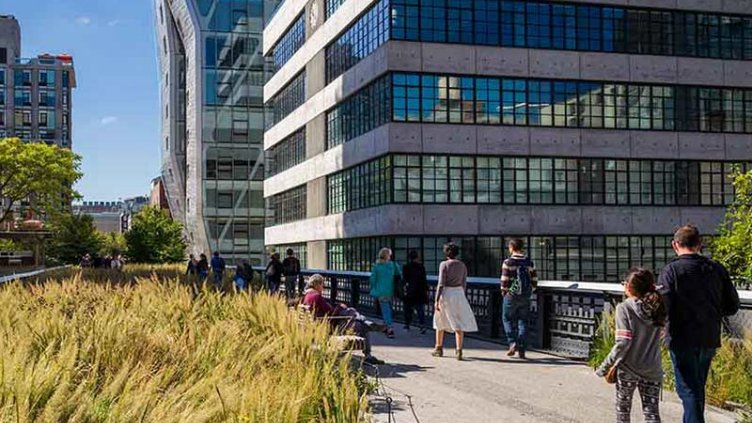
column 319, row 305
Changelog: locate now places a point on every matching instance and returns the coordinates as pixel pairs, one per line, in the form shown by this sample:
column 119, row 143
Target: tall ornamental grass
column 154, row 349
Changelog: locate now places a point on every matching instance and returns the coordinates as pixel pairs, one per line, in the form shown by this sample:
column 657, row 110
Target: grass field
column 156, row 349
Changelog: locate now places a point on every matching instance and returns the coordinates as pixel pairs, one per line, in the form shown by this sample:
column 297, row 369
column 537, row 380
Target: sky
column 116, row 104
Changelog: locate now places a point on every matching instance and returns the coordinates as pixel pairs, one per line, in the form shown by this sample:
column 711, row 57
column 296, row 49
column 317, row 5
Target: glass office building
column 212, row 76
column 591, row 131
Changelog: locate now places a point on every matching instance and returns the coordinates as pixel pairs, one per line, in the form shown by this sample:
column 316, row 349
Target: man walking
column 698, row 293
column 291, row 269
column 518, row 280
column 218, row 268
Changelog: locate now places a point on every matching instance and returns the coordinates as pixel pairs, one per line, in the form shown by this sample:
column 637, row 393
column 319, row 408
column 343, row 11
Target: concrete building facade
column 35, row 93
column 212, row 75
column 589, row 129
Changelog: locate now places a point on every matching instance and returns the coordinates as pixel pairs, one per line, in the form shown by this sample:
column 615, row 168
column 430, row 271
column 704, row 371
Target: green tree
column 732, row 246
column 74, row 235
column 155, row 238
column 44, row 173
column 112, row 243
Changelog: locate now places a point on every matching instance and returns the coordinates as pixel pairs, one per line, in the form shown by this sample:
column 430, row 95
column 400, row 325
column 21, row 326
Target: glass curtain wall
column 233, row 125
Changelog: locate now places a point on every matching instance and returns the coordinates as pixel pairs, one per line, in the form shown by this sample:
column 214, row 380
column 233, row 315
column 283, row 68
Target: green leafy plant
column 38, row 173
column 732, row 246
column 155, row 238
column 74, row 236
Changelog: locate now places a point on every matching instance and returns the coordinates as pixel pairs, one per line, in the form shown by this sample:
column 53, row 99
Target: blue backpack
column 522, row 283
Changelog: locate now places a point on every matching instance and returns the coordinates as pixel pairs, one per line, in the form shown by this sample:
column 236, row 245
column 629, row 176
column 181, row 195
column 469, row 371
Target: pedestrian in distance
column 239, row 279
column 518, row 281
column 192, row 266
column 416, row 291
column 218, row 269
column 453, row 312
column 635, row 359
column 274, row 271
column 203, row 268
column 698, row 293
column 385, row 274
column 291, row 269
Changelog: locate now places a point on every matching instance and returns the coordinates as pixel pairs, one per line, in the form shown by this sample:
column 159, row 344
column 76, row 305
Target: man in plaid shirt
column 518, row 280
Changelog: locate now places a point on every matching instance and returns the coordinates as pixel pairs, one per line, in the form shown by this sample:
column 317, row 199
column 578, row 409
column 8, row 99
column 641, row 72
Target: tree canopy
column 73, row 236
column 155, row 238
column 37, row 171
column 733, row 245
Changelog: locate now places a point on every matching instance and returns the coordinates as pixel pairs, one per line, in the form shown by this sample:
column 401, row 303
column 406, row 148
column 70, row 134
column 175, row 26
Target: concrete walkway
column 490, row 387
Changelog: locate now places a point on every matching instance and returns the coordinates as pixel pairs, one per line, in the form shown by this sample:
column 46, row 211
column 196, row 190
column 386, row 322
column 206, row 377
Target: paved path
column 490, row 387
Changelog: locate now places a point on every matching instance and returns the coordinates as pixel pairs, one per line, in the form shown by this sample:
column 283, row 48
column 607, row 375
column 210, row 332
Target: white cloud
column 83, row 20
column 113, row 22
column 108, row 120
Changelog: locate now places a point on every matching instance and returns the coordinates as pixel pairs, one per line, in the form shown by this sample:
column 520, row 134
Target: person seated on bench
column 357, row 324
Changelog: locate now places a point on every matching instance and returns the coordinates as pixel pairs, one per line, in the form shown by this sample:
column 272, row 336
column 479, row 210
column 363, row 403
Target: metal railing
column 564, row 318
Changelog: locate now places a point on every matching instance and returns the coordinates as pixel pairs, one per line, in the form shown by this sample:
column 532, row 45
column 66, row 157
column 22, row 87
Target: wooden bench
column 338, row 340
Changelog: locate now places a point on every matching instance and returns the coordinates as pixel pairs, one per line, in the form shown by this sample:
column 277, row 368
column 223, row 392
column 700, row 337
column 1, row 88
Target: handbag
column 611, row 375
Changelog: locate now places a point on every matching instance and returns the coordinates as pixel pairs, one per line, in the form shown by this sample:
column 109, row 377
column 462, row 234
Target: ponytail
column 642, row 284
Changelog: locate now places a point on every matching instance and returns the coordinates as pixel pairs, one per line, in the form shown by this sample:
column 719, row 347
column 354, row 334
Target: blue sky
column 116, row 105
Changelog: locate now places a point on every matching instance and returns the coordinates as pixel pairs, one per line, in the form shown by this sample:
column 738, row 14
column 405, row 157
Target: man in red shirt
column 356, row 324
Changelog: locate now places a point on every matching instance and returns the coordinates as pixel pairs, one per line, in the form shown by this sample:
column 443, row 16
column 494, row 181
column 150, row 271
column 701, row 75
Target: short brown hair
column 516, row 244
column 451, row 250
column 688, row 236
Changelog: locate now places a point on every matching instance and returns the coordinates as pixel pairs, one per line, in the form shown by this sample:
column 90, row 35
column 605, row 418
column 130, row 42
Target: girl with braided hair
column 637, row 354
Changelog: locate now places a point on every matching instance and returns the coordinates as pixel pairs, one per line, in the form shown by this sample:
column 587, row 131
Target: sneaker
column 521, row 353
column 375, row 327
column 390, row 333
column 373, row 361
column 512, row 350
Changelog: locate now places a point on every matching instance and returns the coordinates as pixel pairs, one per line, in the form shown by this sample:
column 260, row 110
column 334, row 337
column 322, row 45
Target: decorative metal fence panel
column 563, row 320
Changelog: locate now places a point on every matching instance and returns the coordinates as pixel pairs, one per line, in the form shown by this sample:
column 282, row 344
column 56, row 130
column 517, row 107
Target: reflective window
column 362, row 38
column 362, row 112
column 286, row 154
column 443, row 179
column 530, row 102
column 290, row 43
column 287, row 100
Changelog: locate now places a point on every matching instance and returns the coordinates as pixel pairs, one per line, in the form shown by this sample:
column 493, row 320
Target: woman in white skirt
column 453, row 312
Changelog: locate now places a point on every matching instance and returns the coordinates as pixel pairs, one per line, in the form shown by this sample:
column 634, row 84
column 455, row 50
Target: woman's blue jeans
column 386, row 311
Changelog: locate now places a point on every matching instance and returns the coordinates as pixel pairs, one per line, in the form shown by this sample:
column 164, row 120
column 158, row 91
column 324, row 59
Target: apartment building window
column 46, row 119
column 569, row 26
column 2, row 97
column 599, row 258
column 444, row 179
column 66, row 79
column 2, row 119
column 46, row 78
column 22, row 97
column 332, row 6
column 360, row 113
column 22, row 118
column 288, row 153
column 289, row 44
column 468, row 100
column 22, row 78
column 292, row 96
column 2, row 76
column 362, row 38
column 288, row 206
column 47, row 98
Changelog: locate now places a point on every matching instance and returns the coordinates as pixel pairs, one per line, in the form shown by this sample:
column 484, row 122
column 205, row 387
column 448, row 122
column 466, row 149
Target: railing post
column 541, row 322
column 333, row 289
column 495, row 312
column 355, row 291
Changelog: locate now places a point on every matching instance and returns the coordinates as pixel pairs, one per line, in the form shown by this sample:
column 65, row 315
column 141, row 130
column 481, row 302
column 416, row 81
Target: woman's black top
column 416, row 284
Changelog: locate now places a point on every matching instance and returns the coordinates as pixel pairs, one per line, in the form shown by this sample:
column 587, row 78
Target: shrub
column 79, row 348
